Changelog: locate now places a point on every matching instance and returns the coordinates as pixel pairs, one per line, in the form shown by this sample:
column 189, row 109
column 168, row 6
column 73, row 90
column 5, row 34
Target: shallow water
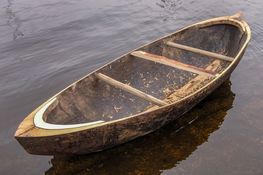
column 46, row 45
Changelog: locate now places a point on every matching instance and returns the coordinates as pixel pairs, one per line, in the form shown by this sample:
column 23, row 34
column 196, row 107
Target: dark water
column 46, row 45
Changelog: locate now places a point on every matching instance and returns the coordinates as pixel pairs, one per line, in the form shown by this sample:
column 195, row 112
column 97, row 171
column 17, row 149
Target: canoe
column 138, row 92
column 142, row 160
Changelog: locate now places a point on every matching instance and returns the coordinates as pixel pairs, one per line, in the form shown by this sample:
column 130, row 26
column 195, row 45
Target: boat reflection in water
column 160, row 150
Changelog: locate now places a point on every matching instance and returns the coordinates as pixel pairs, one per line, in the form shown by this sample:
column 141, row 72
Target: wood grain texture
column 199, row 51
column 130, row 89
column 191, row 86
column 81, row 98
column 172, row 63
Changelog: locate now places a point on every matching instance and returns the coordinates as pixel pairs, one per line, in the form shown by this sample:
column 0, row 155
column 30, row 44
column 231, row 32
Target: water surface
column 46, row 45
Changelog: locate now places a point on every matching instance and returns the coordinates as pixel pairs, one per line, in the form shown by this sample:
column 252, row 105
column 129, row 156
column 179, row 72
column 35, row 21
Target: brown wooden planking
column 200, row 51
column 130, row 89
column 194, row 84
column 172, row 63
column 84, row 140
column 190, row 87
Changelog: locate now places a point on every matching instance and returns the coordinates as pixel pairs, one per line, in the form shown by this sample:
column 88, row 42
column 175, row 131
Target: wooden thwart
column 199, row 51
column 194, row 84
column 190, row 87
column 130, row 89
column 172, row 63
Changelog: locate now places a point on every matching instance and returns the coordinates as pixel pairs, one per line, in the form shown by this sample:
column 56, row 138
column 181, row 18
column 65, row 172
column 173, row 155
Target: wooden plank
column 191, row 86
column 130, row 89
column 199, row 51
column 172, row 63
column 194, row 84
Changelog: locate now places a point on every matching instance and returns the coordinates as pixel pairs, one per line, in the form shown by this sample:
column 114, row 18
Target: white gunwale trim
column 40, row 123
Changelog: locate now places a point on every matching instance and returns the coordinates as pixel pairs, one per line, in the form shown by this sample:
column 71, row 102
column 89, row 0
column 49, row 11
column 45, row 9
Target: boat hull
column 93, row 139
column 107, row 136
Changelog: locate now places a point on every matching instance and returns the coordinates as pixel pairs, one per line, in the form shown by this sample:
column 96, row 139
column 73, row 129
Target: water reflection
column 158, row 151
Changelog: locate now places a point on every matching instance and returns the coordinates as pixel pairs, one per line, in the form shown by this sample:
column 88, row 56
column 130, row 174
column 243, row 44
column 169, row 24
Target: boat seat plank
column 194, row 84
column 191, row 86
column 200, row 51
column 130, row 89
column 172, row 63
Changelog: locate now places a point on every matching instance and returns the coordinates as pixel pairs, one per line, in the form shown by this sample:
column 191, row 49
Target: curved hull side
column 106, row 136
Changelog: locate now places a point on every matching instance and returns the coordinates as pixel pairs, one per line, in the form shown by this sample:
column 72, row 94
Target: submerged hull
column 93, row 138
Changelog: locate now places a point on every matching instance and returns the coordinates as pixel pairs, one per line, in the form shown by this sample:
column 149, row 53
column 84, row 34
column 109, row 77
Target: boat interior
column 152, row 76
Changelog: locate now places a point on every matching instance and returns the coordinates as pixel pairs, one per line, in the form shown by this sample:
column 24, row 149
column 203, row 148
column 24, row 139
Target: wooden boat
column 139, row 92
column 135, row 158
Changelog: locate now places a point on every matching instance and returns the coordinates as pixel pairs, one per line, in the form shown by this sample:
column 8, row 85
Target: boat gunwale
column 239, row 23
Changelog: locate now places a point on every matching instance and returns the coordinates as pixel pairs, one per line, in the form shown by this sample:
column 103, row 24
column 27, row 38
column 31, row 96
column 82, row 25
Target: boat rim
column 39, row 122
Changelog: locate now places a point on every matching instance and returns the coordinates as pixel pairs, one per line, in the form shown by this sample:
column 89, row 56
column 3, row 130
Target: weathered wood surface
column 172, row 63
column 192, row 86
column 83, row 140
column 211, row 113
column 130, row 89
column 200, row 51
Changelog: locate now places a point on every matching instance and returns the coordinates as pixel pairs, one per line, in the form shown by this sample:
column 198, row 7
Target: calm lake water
column 46, row 45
